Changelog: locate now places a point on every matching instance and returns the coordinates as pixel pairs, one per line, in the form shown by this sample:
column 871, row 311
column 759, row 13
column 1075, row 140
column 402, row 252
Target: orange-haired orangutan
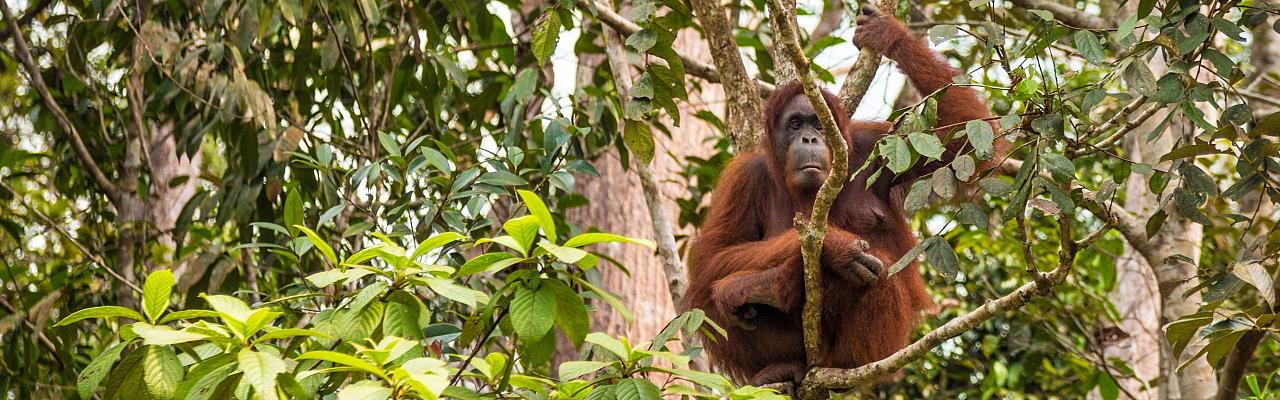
column 745, row 268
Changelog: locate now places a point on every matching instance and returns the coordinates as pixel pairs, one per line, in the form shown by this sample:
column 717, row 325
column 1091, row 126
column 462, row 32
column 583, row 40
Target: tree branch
column 830, row 19
column 743, row 108
column 835, row 378
column 23, row 54
column 1067, row 14
column 864, row 69
column 672, row 266
column 812, row 232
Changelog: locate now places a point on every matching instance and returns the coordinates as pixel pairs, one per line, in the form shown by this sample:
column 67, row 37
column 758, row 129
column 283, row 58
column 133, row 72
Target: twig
column 1066, row 14
column 23, row 54
column 812, row 232
column 672, row 266
column 864, row 69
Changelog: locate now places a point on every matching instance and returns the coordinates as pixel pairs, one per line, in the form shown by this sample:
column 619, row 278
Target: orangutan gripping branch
column 745, row 268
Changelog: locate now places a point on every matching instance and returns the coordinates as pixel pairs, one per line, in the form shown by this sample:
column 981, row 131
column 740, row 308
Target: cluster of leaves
column 383, row 341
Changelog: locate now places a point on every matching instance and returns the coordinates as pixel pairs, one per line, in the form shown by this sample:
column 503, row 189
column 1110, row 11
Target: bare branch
column 672, row 266
column 744, row 114
column 812, row 232
column 835, row 378
column 830, row 19
column 864, row 69
column 1066, row 14
column 23, row 54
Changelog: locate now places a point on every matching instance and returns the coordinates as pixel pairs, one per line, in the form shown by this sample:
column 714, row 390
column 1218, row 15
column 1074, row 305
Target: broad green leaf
column 1168, row 89
column 206, row 386
column 639, row 138
column 319, row 244
column 643, row 40
column 524, row 230
column 229, row 307
column 706, row 379
column 971, row 214
column 453, row 291
column 163, row 335
column 326, row 278
column 982, row 139
column 943, row 183
column 1059, row 166
column 571, row 312
column 610, row 344
column 908, row 258
column 434, row 242
column 637, row 389
column 564, row 254
column 1254, row 274
column 546, row 33
column 995, row 186
column 488, row 262
column 260, row 370
column 590, row 238
column 187, row 314
column 405, row 316
column 539, row 209
column 574, row 369
column 917, row 197
column 365, row 390
column 341, row 359
column 896, row 153
column 942, row 257
column 1089, row 47
column 1139, row 78
column 162, row 371
column 927, row 144
column 533, row 312
column 964, row 167
column 293, row 212
column 942, row 32
column 155, row 293
column 91, row 376
column 100, row 312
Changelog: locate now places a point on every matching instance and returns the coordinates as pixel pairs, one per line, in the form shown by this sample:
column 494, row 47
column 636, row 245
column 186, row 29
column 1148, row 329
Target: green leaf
column 524, row 230
column 488, row 262
column 1139, row 78
column 1092, row 99
column 405, row 316
column 1059, row 166
column 229, row 307
column 341, row 359
column 1089, row 47
column 161, row 371
column 613, row 301
column 100, row 312
column 91, row 376
column 1048, row 124
column 964, row 167
column 365, row 390
column 260, row 370
column 454, row 291
column 943, row 258
column 565, row 254
column 982, row 139
column 917, row 197
column 996, row 186
column 187, row 314
column 590, row 238
column 539, row 209
column 1168, row 89
column 610, row 344
column 1107, row 387
column 319, row 244
column 293, row 209
column 546, row 33
column 533, row 312
column 1189, row 151
column 502, row 178
column 636, row 389
column 943, row 183
column 291, row 332
column 573, row 369
column 160, row 335
column 896, row 153
column 926, row 144
column 155, row 293
column 971, row 214
column 434, row 242
column 1254, row 274
column 908, row 258
column 639, row 139
column 207, row 385
column 942, row 32
column 1145, row 7
column 571, row 312
column 643, row 40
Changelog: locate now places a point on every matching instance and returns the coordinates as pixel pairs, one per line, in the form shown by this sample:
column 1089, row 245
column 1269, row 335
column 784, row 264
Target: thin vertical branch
column 672, row 266
column 864, row 68
column 812, row 232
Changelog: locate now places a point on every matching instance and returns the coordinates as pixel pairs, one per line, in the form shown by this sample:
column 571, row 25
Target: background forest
column 382, row 199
